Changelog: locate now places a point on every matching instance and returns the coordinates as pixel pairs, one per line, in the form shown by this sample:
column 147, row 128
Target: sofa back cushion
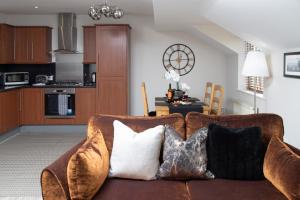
column 270, row 124
column 104, row 124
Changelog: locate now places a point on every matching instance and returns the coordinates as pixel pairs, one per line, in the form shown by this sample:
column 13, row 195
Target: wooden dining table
column 163, row 107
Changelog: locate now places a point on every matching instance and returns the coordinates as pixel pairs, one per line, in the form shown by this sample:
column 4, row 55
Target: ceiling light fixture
column 96, row 11
column 36, row 7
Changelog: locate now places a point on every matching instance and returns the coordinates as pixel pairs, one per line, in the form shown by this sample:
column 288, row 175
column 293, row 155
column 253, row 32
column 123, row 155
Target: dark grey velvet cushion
column 235, row 153
column 184, row 159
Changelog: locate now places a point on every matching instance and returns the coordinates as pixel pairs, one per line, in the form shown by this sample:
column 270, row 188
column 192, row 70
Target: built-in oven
column 14, row 78
column 60, row 102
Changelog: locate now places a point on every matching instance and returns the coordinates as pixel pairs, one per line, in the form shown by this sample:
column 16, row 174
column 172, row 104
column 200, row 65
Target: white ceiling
column 77, row 6
column 268, row 23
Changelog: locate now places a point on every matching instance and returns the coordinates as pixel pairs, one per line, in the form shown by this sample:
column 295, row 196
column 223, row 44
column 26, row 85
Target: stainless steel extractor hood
column 67, row 33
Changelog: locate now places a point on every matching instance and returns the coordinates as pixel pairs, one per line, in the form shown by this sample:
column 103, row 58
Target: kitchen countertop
column 7, row 88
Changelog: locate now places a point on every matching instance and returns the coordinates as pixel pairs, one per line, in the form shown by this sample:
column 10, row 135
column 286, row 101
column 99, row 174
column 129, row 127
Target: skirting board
column 10, row 134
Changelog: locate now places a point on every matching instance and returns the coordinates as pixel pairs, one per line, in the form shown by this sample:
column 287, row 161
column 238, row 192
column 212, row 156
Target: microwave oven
column 14, row 78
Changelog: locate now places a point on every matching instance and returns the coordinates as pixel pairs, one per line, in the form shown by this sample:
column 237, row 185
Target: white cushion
column 135, row 155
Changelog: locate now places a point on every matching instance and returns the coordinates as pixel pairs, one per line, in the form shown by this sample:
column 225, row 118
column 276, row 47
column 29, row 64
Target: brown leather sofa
column 54, row 177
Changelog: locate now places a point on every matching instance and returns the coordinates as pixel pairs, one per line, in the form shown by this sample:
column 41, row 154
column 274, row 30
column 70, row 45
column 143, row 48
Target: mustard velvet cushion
column 88, row 168
column 282, row 168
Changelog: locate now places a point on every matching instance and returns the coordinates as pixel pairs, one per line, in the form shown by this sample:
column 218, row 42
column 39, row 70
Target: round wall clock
column 179, row 57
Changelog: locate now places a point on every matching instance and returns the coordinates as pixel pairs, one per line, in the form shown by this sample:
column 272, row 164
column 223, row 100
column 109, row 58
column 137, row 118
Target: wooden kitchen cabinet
column 6, row 44
column 41, row 44
column 32, row 45
column 9, row 110
column 32, row 106
column 112, row 96
column 85, row 104
column 21, row 54
column 89, row 45
column 113, row 56
column 1, row 113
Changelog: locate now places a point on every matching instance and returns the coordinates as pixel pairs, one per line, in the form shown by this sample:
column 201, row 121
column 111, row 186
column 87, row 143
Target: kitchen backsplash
column 45, row 69
column 83, row 71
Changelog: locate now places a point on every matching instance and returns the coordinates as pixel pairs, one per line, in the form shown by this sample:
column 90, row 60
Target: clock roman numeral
column 178, row 71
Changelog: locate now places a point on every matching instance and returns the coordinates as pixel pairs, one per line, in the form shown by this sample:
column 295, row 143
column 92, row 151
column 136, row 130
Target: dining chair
column 217, row 100
column 208, row 97
column 145, row 101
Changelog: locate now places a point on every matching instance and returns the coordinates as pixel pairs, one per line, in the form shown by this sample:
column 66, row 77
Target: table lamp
column 255, row 65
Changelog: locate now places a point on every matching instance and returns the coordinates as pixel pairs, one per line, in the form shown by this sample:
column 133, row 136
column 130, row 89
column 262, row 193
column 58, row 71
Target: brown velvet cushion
column 282, row 168
column 138, row 124
column 270, row 124
column 54, row 179
column 220, row 189
column 51, row 189
column 88, row 168
column 123, row 189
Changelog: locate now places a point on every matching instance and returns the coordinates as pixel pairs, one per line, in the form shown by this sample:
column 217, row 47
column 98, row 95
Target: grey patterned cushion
column 184, row 159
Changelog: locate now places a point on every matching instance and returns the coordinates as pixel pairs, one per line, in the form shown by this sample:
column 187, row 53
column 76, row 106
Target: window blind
column 250, row 80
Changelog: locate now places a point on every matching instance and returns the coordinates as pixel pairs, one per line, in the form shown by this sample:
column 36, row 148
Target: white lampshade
column 255, row 65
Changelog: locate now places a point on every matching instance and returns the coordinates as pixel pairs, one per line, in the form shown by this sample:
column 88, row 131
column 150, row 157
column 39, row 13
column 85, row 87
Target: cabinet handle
column 31, row 50
column 27, row 50
column 21, row 100
column 14, row 49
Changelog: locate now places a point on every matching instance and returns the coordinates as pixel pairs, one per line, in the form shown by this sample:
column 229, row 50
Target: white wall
column 147, row 47
column 281, row 94
column 2, row 18
column 283, row 97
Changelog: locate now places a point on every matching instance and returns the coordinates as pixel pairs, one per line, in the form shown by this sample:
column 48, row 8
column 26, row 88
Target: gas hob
column 66, row 83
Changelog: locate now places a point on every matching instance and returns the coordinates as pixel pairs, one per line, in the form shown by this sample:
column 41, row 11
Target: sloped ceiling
column 267, row 23
column 178, row 14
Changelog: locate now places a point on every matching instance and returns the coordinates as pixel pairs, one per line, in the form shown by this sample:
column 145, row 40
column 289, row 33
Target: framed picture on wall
column 291, row 66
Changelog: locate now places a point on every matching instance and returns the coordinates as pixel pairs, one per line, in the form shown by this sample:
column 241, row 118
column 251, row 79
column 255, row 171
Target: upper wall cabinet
column 33, row 45
column 6, row 44
column 89, row 45
column 113, row 50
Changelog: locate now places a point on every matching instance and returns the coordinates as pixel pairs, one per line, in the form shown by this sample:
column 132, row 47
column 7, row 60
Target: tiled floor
column 22, row 158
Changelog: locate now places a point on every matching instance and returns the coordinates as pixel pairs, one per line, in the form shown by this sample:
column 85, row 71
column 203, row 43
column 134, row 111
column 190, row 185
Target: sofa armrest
column 54, row 181
column 294, row 149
